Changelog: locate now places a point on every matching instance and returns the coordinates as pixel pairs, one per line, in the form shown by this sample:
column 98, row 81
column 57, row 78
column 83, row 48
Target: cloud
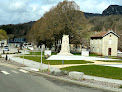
column 20, row 11
column 91, row 6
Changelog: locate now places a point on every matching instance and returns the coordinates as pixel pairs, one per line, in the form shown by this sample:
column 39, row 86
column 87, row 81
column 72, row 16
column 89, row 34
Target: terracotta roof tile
column 100, row 34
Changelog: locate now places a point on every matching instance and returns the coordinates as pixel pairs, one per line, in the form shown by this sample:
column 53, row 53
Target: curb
column 81, row 83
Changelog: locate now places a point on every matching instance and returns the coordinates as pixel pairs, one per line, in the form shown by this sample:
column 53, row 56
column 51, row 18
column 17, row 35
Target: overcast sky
column 20, row 11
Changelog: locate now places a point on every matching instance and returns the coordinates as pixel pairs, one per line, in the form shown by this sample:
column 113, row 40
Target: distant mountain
column 113, row 10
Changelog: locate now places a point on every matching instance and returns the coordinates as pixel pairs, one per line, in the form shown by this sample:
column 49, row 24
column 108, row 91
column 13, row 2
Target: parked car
column 30, row 47
column 6, row 48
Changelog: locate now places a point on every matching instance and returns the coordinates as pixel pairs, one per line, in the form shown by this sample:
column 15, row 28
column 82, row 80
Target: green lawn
column 93, row 55
column 55, row 62
column 76, row 53
column 112, row 57
column 96, row 70
column 39, row 53
column 35, row 53
column 120, row 61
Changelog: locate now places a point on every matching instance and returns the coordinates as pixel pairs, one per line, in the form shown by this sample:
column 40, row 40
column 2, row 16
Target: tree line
column 17, row 30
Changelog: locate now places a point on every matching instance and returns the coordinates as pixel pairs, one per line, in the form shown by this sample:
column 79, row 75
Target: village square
column 64, row 50
column 102, row 54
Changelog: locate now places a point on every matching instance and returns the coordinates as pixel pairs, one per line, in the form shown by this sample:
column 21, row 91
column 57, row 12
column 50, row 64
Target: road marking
column 23, row 71
column 14, row 71
column 4, row 72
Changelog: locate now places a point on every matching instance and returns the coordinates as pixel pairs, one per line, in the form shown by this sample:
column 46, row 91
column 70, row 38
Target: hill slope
column 113, row 10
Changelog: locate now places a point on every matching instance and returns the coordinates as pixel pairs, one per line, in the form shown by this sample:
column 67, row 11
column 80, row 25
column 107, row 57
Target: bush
column 120, row 86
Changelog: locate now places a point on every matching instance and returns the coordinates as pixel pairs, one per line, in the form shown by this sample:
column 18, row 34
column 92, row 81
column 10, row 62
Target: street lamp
column 41, row 55
column 23, row 55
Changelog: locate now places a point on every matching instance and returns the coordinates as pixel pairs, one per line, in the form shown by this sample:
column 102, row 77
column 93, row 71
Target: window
column 110, row 35
column 110, row 41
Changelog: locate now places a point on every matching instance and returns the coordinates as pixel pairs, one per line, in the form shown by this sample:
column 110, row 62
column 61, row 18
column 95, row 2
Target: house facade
column 104, row 43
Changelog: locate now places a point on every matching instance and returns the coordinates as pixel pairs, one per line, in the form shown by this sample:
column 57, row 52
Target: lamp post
column 23, row 55
column 41, row 55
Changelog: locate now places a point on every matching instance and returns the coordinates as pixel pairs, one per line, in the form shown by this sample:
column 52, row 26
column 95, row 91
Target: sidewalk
column 32, row 65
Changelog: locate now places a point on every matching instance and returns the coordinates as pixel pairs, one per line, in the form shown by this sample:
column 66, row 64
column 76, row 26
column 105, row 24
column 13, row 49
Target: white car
column 30, row 47
column 6, row 48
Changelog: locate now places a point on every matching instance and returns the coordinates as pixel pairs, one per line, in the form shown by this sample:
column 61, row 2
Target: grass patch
column 112, row 57
column 96, row 70
column 93, row 55
column 55, row 62
column 119, row 61
column 76, row 53
column 39, row 53
column 120, row 86
column 35, row 53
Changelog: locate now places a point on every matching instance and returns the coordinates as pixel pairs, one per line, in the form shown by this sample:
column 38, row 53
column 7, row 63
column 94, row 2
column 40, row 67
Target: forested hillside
column 103, row 23
column 17, row 30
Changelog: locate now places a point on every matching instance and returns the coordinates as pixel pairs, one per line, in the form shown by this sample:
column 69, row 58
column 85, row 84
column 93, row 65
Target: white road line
column 4, row 72
column 23, row 71
column 14, row 71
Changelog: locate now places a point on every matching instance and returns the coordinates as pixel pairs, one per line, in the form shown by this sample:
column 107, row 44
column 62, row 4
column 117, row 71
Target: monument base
column 65, row 54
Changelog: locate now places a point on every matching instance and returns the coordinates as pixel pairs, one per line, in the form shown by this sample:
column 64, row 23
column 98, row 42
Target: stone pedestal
column 76, row 75
column 65, row 51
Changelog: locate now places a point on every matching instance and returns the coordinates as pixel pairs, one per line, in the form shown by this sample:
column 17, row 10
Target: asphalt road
column 16, row 80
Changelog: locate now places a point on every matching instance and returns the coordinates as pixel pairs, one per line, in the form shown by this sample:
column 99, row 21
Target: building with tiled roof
column 104, row 43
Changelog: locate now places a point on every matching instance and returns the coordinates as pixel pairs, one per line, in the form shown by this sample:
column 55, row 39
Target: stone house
column 104, row 43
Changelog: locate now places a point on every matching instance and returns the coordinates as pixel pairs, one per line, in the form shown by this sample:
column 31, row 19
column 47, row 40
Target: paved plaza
column 76, row 57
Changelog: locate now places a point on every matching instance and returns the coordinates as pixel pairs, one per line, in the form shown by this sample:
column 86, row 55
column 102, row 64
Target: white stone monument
column 65, row 51
column 85, row 52
column 47, row 52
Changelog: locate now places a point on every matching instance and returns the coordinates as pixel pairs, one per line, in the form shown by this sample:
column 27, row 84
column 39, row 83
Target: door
column 109, row 51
